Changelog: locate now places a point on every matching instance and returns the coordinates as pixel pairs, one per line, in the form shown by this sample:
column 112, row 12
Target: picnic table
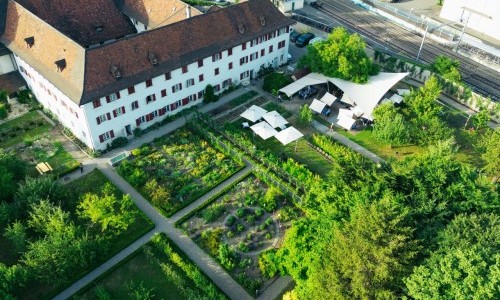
column 43, row 168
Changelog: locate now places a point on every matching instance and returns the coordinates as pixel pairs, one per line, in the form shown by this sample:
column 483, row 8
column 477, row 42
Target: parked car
column 315, row 40
column 289, row 57
column 307, row 92
column 304, row 39
column 294, row 35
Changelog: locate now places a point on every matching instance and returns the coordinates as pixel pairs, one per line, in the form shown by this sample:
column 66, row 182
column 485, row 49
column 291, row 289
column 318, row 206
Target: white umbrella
column 254, row 113
column 274, row 119
column 328, row 99
column 264, row 130
column 346, row 122
column 317, row 105
column 289, row 135
column 356, row 110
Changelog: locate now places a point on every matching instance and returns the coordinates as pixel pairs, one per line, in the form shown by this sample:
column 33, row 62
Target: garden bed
column 235, row 226
column 15, row 131
column 177, row 169
column 159, row 268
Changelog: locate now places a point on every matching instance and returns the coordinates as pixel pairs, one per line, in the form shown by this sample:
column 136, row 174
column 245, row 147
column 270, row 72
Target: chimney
column 188, row 11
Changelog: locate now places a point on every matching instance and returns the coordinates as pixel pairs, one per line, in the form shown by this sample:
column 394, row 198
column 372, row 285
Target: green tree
column 275, row 81
column 422, row 101
column 465, row 266
column 3, row 96
column 209, row 95
column 342, row 55
column 305, row 115
column 226, row 256
column 12, row 171
column 3, row 111
column 366, row 257
column 16, row 233
column 390, row 126
column 481, row 118
column 107, row 210
column 447, row 68
column 138, row 291
column 489, row 145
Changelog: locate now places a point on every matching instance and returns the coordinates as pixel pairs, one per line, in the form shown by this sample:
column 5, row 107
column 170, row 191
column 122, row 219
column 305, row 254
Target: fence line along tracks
column 399, row 40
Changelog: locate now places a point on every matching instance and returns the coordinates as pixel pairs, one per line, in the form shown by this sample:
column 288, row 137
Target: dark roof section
column 81, row 20
column 4, row 50
column 3, row 16
column 11, row 82
column 175, row 45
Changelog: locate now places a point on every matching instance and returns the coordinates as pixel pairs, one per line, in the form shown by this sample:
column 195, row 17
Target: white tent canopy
column 357, row 111
column 345, row 113
column 274, row 119
column 317, row 105
column 254, row 113
column 309, row 79
column 328, row 99
column 396, row 98
column 264, row 130
column 346, row 123
column 288, row 135
column 345, row 98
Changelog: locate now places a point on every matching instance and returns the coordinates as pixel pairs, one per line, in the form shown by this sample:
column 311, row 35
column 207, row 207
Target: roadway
column 385, row 35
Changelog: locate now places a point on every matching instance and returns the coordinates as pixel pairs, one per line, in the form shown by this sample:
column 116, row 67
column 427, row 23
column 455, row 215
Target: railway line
column 406, row 42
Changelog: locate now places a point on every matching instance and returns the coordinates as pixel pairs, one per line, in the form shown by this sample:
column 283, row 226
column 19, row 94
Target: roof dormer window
column 61, row 65
column 241, row 28
column 115, row 72
column 152, row 58
column 262, row 20
column 30, row 41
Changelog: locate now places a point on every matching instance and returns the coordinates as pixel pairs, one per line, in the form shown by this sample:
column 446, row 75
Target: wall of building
column 6, row 64
column 487, row 20
column 288, row 5
column 68, row 112
column 184, row 98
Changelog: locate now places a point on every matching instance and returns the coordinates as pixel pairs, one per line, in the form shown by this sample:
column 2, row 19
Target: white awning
column 396, row 98
column 328, row 99
column 274, row 119
column 345, row 98
column 403, row 92
column 288, row 135
column 254, row 113
column 345, row 113
column 264, row 130
column 317, row 105
column 309, row 79
column 357, row 111
column 346, row 123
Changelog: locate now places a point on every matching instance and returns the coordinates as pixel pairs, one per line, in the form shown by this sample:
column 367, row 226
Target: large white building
column 89, row 65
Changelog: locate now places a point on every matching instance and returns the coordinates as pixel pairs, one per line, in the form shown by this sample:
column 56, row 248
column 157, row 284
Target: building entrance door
column 128, row 129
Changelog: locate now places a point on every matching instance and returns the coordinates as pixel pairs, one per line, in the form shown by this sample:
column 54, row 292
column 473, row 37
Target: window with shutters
column 217, row 88
column 177, row 87
column 229, row 51
column 131, row 90
column 216, row 71
column 135, row 105
column 184, row 69
column 226, row 83
column 163, row 93
column 189, row 82
column 192, row 97
column 281, row 44
column 262, row 52
column 244, row 75
column 243, row 60
column 200, row 63
column 270, row 48
column 149, row 83
column 200, row 78
column 101, row 118
column 114, row 96
column 119, row 111
column 168, row 76
column 244, row 46
column 216, row 57
column 106, row 136
column 254, row 56
column 230, row 66
column 200, row 94
column 96, row 103
column 150, row 98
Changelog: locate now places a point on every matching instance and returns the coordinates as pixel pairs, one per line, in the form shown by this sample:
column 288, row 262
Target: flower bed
column 176, row 169
column 236, row 226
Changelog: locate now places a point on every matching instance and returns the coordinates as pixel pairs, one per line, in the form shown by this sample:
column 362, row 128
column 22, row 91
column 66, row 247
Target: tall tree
column 489, row 145
column 390, row 126
column 422, row 101
column 465, row 266
column 12, row 171
column 366, row 257
column 447, row 68
column 342, row 55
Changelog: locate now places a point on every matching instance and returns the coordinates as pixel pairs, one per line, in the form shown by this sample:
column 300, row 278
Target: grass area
column 243, row 98
column 11, row 132
column 168, row 274
column 62, row 162
column 90, row 183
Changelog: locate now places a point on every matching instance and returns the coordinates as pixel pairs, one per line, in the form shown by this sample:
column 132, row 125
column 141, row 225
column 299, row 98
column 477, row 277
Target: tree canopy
column 448, row 68
column 342, row 55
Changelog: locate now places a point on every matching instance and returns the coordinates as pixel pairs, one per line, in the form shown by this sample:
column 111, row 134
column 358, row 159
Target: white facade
column 97, row 123
column 138, row 25
column 484, row 15
column 288, row 5
column 7, row 64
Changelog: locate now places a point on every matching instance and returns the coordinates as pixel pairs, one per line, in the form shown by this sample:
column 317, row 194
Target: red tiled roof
column 11, row 82
column 78, row 19
column 154, row 13
column 176, row 45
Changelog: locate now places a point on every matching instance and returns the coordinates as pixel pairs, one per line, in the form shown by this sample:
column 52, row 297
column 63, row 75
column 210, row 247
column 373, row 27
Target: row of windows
column 107, row 116
column 106, row 136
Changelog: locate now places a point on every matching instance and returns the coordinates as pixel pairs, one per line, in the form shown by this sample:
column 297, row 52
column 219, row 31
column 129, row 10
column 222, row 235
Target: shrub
column 209, row 95
column 259, row 212
column 138, row 132
column 210, row 239
column 275, row 81
column 240, row 212
column 267, row 263
column 245, row 263
column 268, row 235
column 230, row 220
column 240, row 227
column 230, row 234
column 119, row 142
column 249, row 236
column 243, row 247
column 136, row 152
column 269, row 221
column 270, row 200
column 213, row 212
column 305, row 115
column 250, row 219
column 3, row 111
column 226, row 256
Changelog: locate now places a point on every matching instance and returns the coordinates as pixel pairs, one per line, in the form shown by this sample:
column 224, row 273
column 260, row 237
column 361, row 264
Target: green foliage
column 489, row 145
column 119, row 142
column 226, row 256
column 107, row 210
column 275, row 81
column 305, row 115
column 138, row 291
column 3, row 111
column 230, row 220
column 210, row 239
column 481, row 119
column 390, row 126
column 342, row 55
column 3, row 96
column 209, row 95
column 213, row 212
column 466, row 263
column 12, row 171
column 447, row 68
column 422, row 101
column 16, row 234
column 270, row 200
column 159, row 195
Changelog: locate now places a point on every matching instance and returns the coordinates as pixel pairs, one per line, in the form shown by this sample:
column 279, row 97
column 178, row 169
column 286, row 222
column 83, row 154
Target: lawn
column 177, row 169
column 92, row 182
column 159, row 268
column 30, row 124
column 248, row 217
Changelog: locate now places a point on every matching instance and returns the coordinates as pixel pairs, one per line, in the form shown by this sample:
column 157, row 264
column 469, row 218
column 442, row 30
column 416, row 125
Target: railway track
column 406, row 42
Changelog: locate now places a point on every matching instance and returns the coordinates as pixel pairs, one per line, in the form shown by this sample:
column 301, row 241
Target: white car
column 316, row 39
column 289, row 57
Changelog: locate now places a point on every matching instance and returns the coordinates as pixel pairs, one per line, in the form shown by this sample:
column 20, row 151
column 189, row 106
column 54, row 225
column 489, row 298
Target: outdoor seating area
column 43, row 168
